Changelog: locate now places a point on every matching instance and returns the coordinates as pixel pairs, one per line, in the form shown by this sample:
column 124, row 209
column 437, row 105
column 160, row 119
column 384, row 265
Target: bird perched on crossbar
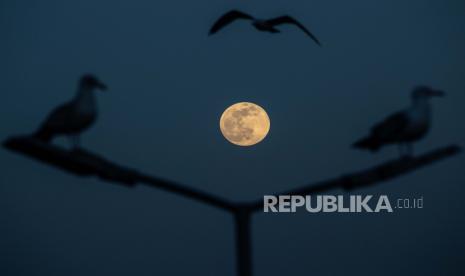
column 75, row 116
column 403, row 127
column 264, row 25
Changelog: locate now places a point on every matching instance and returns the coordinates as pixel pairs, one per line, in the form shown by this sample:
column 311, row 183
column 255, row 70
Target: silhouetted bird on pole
column 74, row 116
column 268, row 25
column 404, row 127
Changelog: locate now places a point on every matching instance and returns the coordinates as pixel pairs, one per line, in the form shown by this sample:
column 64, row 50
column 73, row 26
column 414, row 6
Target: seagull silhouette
column 268, row 25
column 403, row 127
column 74, row 116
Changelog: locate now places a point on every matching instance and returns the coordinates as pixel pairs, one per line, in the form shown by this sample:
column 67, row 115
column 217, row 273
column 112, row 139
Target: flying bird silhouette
column 263, row 25
column 404, row 127
column 74, row 116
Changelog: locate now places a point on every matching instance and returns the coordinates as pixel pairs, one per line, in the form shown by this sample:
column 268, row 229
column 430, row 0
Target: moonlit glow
column 244, row 124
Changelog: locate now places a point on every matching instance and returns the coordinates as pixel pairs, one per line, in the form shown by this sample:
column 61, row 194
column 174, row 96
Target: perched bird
column 74, row 116
column 404, row 127
column 268, row 25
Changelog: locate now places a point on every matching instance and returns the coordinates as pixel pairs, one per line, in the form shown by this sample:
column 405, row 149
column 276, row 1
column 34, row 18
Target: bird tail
column 43, row 135
column 369, row 143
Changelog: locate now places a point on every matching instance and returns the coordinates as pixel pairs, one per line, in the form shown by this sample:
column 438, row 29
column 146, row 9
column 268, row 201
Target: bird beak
column 437, row 93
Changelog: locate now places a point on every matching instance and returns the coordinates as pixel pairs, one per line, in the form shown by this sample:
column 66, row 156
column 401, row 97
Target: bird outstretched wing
column 290, row 20
column 227, row 19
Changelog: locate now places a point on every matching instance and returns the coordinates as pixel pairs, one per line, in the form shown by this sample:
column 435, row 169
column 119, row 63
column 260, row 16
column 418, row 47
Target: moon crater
column 244, row 124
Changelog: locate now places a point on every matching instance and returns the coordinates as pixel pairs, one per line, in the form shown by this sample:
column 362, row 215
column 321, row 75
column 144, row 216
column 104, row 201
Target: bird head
column 91, row 81
column 425, row 92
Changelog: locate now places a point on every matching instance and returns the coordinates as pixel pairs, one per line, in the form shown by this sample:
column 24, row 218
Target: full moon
column 244, row 124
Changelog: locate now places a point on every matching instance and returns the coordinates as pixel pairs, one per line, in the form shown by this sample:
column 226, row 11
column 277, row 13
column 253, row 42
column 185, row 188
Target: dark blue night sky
column 169, row 83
